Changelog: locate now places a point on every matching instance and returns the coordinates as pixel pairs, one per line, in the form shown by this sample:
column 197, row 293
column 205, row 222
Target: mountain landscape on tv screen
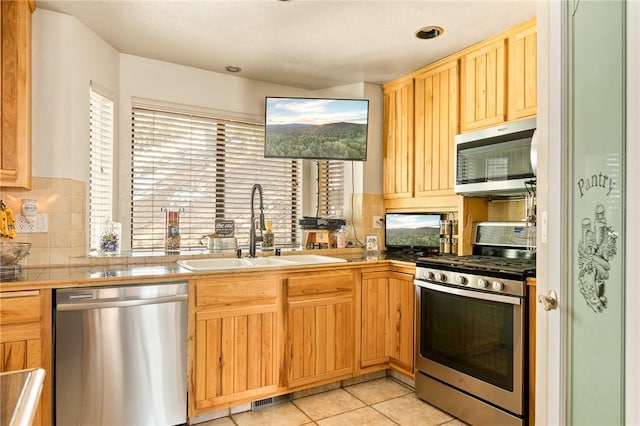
column 426, row 236
column 332, row 141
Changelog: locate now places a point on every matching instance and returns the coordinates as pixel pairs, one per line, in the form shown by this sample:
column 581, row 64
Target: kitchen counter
column 107, row 271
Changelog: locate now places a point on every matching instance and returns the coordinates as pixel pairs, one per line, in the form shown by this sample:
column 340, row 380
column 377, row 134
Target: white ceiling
column 310, row 44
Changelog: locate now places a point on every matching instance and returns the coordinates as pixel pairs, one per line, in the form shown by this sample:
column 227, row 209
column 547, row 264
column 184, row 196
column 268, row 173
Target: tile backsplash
column 364, row 208
column 64, row 201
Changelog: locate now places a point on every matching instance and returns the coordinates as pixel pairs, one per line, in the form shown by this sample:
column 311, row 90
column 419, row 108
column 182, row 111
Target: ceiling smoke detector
column 232, row 68
column 429, row 32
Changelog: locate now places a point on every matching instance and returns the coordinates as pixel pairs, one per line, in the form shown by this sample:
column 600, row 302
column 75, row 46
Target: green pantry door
column 596, row 228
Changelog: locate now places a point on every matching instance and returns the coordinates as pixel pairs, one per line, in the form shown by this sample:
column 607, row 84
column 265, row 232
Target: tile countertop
column 154, row 269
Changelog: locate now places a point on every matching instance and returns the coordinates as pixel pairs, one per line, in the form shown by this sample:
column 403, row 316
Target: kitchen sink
column 310, row 259
column 218, row 264
column 214, row 264
column 270, row 261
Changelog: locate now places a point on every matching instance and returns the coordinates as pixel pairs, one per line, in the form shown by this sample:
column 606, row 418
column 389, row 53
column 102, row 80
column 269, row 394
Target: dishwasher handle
column 100, row 304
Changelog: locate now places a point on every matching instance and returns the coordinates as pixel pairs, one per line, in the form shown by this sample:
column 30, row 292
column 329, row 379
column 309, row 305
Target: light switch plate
column 39, row 224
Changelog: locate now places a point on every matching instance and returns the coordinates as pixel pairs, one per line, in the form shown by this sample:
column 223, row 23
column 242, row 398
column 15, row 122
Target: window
column 206, row 166
column 100, row 164
column 331, row 189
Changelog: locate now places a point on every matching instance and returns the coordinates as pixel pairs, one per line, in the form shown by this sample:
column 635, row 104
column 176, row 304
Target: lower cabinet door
column 320, row 341
column 235, row 357
column 401, row 321
column 374, row 348
column 25, row 340
column 387, row 321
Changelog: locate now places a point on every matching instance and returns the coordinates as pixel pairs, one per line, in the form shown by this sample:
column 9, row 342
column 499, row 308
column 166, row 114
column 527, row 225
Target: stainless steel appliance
column 496, row 160
column 471, row 327
column 121, row 355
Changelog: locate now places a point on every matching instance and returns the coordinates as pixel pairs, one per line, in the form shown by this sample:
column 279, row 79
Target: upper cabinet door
column 15, row 88
column 436, row 124
column 523, row 72
column 397, row 162
column 483, row 86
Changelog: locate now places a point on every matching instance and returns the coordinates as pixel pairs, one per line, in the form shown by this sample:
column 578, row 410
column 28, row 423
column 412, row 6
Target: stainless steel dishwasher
column 121, row 355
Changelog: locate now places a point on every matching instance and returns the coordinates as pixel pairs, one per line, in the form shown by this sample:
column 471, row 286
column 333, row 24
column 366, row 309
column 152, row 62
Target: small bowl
column 12, row 252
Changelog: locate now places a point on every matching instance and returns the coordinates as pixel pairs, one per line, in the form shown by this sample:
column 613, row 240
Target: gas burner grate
column 480, row 263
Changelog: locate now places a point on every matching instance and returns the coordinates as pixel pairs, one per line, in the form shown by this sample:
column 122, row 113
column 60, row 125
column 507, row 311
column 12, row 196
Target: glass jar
column 172, row 237
column 268, row 237
column 110, row 238
column 341, row 238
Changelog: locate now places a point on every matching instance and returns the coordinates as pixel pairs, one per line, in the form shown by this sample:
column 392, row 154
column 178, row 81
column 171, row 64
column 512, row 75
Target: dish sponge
column 7, row 223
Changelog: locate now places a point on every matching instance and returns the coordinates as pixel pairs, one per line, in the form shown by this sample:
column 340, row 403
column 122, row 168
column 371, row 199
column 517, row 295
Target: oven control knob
column 497, row 285
column 482, row 283
column 461, row 280
column 441, row 277
column 428, row 275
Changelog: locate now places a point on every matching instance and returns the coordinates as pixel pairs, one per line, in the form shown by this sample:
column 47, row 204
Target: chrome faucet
column 253, row 238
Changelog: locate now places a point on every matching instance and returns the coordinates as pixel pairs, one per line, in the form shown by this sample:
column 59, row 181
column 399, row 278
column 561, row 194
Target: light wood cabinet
column 374, row 320
column 25, row 339
column 523, row 72
column 320, row 326
column 397, row 160
column 15, row 89
column 483, row 86
column 499, row 79
column 436, row 124
column 234, row 347
column 387, row 321
column 401, row 321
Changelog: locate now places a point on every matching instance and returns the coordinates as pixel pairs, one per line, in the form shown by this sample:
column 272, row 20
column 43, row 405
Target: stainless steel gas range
column 471, row 327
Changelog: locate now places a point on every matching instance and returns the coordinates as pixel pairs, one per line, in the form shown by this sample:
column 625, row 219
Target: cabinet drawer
column 20, row 307
column 236, row 292
column 320, row 285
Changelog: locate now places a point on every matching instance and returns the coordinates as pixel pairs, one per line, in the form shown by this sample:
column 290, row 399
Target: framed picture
column 371, row 243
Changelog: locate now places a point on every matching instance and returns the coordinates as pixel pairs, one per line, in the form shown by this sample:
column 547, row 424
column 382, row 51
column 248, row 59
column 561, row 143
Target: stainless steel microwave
column 496, row 160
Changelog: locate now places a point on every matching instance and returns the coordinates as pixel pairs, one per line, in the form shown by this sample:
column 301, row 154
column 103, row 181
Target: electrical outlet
column 377, row 222
column 39, row 224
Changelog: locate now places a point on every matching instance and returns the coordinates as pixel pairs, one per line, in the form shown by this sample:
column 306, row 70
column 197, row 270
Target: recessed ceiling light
column 232, row 68
column 429, row 32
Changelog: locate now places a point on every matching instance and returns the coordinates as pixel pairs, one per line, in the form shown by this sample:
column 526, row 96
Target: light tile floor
column 381, row 402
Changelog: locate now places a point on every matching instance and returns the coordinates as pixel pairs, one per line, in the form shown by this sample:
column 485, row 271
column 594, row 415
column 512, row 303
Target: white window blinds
column 206, row 166
column 100, row 164
column 331, row 189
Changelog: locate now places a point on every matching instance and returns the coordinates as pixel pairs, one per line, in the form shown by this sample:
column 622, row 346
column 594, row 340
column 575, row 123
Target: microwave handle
column 533, row 154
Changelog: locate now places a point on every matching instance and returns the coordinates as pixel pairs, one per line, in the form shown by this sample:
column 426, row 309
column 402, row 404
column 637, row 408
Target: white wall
column 66, row 57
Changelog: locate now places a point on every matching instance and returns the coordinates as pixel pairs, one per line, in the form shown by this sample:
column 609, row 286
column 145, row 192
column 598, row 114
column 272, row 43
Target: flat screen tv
column 406, row 230
column 317, row 129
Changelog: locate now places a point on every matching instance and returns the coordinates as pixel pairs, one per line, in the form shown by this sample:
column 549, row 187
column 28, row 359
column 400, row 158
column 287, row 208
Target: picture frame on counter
column 371, row 243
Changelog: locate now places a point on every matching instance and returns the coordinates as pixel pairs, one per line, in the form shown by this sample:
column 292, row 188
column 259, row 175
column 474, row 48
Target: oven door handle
column 468, row 293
